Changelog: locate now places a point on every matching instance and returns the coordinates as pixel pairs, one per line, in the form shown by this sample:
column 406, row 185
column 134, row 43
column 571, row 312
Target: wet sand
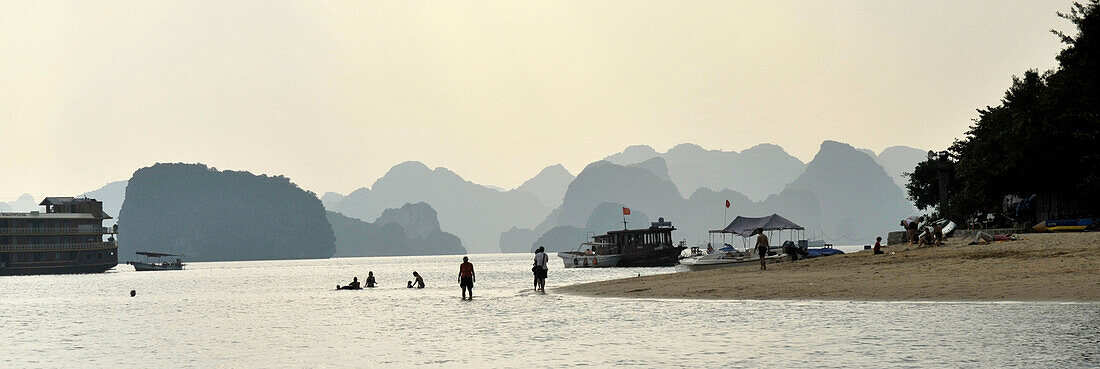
column 1037, row 267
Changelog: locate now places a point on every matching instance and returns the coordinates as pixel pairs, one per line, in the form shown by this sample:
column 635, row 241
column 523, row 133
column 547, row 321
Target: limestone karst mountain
column 549, row 185
column 758, row 172
column 412, row 229
column 475, row 213
column 213, row 215
column 330, row 199
column 858, row 199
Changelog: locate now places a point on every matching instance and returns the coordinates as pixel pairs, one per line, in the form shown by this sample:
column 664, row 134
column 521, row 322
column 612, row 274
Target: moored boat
column 729, row 256
column 65, row 239
column 146, row 265
column 646, row 247
column 588, row 258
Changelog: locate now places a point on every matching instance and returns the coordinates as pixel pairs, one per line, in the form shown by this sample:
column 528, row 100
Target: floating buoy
column 133, row 293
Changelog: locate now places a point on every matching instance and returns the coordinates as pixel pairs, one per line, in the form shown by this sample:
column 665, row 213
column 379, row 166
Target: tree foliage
column 1044, row 137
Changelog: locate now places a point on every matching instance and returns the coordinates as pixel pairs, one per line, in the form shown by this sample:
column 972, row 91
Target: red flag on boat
column 626, row 211
column 727, row 203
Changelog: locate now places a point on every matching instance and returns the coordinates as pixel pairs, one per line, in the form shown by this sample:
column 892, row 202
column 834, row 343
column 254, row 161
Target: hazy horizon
column 333, row 95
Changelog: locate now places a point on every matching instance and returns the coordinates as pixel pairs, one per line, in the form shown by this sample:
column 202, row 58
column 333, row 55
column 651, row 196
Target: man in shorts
column 466, row 277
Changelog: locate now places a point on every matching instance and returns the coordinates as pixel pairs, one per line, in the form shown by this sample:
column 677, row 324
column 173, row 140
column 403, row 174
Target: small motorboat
column 727, row 257
column 143, row 266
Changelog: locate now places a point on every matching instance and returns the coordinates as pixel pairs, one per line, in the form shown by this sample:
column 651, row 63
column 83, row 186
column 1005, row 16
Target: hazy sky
column 332, row 94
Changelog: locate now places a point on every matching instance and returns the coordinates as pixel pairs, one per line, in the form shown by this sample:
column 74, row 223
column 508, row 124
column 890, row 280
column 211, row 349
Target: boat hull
column 144, row 267
column 669, row 256
column 695, row 264
column 72, row 262
column 580, row 260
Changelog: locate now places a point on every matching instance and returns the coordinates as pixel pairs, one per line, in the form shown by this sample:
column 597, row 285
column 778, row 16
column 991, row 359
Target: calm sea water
column 287, row 314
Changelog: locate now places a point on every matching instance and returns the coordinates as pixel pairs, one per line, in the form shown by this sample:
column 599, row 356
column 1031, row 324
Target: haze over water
column 286, row 314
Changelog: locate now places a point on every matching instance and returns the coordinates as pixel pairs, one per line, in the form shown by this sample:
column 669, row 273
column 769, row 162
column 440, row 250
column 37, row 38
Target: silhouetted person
column 419, row 281
column 354, row 283
column 761, row 247
column 370, row 280
column 466, row 277
column 878, row 246
column 410, row 285
column 540, row 269
column 133, row 293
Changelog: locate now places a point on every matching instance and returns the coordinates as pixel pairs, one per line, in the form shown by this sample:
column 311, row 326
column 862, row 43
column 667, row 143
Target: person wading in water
column 761, row 247
column 466, row 277
column 540, row 269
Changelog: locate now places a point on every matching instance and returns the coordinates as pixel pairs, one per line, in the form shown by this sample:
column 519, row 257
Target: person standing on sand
column 466, row 277
column 878, row 246
column 540, row 269
column 761, row 247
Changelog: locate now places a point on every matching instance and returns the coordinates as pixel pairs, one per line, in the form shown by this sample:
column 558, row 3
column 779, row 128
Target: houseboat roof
column 55, row 201
column 659, row 226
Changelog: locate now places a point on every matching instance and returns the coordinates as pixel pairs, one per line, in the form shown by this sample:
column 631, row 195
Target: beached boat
column 729, row 256
column 646, row 247
column 1067, row 225
column 156, row 264
column 588, row 258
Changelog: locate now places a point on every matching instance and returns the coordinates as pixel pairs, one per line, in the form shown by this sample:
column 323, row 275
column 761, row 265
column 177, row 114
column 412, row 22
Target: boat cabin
column 626, row 241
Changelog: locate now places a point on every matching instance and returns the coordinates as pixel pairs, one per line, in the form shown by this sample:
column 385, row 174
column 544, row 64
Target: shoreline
column 1039, row 267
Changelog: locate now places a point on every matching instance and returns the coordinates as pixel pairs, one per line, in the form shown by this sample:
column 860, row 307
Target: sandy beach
column 1037, row 267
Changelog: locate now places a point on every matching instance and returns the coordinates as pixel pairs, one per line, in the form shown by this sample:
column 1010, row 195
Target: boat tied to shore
column 729, row 256
column 646, row 247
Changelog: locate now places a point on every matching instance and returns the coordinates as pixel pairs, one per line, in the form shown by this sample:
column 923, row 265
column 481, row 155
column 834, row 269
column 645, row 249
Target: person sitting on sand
column 937, row 234
column 370, row 280
column 878, row 246
column 419, row 280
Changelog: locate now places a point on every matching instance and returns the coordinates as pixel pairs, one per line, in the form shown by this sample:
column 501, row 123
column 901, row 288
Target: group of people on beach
column 466, row 276
column 921, row 232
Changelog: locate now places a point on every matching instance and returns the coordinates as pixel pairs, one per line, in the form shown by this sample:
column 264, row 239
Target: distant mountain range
column 757, row 172
column 412, row 229
column 24, row 203
column 845, row 194
column 842, row 195
column 477, row 214
column 898, row 160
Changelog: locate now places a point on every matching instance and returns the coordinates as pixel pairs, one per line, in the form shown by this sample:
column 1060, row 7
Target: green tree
column 1043, row 138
